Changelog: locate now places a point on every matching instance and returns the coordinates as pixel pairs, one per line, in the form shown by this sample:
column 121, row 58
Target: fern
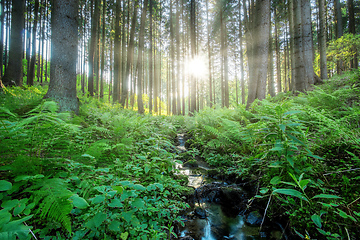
column 52, row 197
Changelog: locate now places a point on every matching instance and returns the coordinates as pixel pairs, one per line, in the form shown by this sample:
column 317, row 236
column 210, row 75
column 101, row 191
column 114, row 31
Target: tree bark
column 31, row 70
column 130, row 56
column 14, row 72
column 92, row 48
column 339, row 31
column 258, row 50
column 117, row 53
column 322, row 40
column 64, row 34
column 350, row 4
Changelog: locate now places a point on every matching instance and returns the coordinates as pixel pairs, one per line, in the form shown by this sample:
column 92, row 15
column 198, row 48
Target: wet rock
column 254, row 218
column 191, row 164
column 200, row 212
column 186, row 238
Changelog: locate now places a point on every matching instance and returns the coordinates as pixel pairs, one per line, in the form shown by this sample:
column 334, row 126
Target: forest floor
column 110, row 173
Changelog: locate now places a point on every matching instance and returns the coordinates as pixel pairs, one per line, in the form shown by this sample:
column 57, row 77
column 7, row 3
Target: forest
column 186, row 119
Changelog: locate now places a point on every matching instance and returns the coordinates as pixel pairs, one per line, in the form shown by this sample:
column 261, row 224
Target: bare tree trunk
column 117, row 52
column 193, row 53
column 31, row 69
column 140, row 58
column 103, row 51
column 339, row 31
column 64, row 34
column 14, row 72
column 350, row 5
column 277, row 53
column 130, row 56
column 93, row 37
column 259, row 48
column 271, row 82
column 151, row 74
column 322, row 40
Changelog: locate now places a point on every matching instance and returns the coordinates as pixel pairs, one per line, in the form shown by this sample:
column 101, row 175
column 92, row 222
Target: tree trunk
column 322, row 40
column 64, row 34
column 339, row 31
column 14, row 72
column 258, row 50
column 103, row 51
column 130, row 56
column 350, row 4
column 151, row 75
column 277, row 54
column 117, row 52
column 31, row 70
column 2, row 23
column 92, row 48
column 193, row 53
column 140, row 58
column 271, row 82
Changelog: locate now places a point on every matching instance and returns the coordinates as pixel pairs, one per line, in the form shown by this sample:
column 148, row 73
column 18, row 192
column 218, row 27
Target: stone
column 254, row 218
column 200, row 212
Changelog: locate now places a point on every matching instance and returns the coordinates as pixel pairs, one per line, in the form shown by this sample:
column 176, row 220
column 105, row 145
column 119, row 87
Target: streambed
column 219, row 209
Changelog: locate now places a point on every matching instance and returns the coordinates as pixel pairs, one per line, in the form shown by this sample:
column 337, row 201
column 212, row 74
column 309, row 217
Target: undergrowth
column 108, row 173
column 303, row 150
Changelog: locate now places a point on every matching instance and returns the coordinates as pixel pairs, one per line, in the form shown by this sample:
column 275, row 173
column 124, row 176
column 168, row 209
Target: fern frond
column 52, row 197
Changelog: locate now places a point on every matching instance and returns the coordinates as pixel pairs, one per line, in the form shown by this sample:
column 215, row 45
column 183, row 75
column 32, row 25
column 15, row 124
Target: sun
column 197, row 67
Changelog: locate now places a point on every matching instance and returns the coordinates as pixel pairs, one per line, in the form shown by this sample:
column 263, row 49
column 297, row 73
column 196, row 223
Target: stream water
column 212, row 217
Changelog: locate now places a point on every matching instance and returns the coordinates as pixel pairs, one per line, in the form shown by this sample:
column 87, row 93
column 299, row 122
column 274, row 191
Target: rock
column 254, row 218
column 191, row 163
column 186, row 238
column 200, row 212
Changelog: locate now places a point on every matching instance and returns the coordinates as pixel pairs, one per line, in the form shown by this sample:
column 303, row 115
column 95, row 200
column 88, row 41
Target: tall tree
column 31, row 70
column 130, row 56
column 103, row 40
column 339, row 31
column 2, row 17
column 14, row 72
column 257, row 48
column 117, row 52
column 322, row 39
column 193, row 53
column 93, row 41
column 64, row 34
column 140, row 59
column 350, row 5
column 151, row 75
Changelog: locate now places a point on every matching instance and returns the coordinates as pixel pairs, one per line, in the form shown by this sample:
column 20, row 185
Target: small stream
column 218, row 209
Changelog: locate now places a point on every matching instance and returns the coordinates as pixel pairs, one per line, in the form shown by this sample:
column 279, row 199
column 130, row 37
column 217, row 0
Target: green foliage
column 344, row 48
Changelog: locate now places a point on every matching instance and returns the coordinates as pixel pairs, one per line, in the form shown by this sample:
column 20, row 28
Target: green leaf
column 19, row 208
column 291, row 192
column 326, row 196
column 124, row 235
column 116, row 203
column 10, row 204
column 342, row 214
column 303, row 183
column 282, row 127
column 127, row 215
column 275, row 180
column 115, row 226
column 292, row 112
column 96, row 221
column 5, row 217
column 139, row 187
column 316, row 219
column 290, row 160
column 98, row 199
column 79, row 202
column 138, row 203
column 119, row 189
column 5, row 185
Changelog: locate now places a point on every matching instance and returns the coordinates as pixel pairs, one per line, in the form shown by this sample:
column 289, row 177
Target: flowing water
column 213, row 219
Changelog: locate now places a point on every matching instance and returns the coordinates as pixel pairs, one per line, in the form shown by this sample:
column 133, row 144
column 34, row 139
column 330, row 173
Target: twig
column 347, row 232
column 349, row 170
column 32, row 233
column 265, row 212
column 353, row 201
